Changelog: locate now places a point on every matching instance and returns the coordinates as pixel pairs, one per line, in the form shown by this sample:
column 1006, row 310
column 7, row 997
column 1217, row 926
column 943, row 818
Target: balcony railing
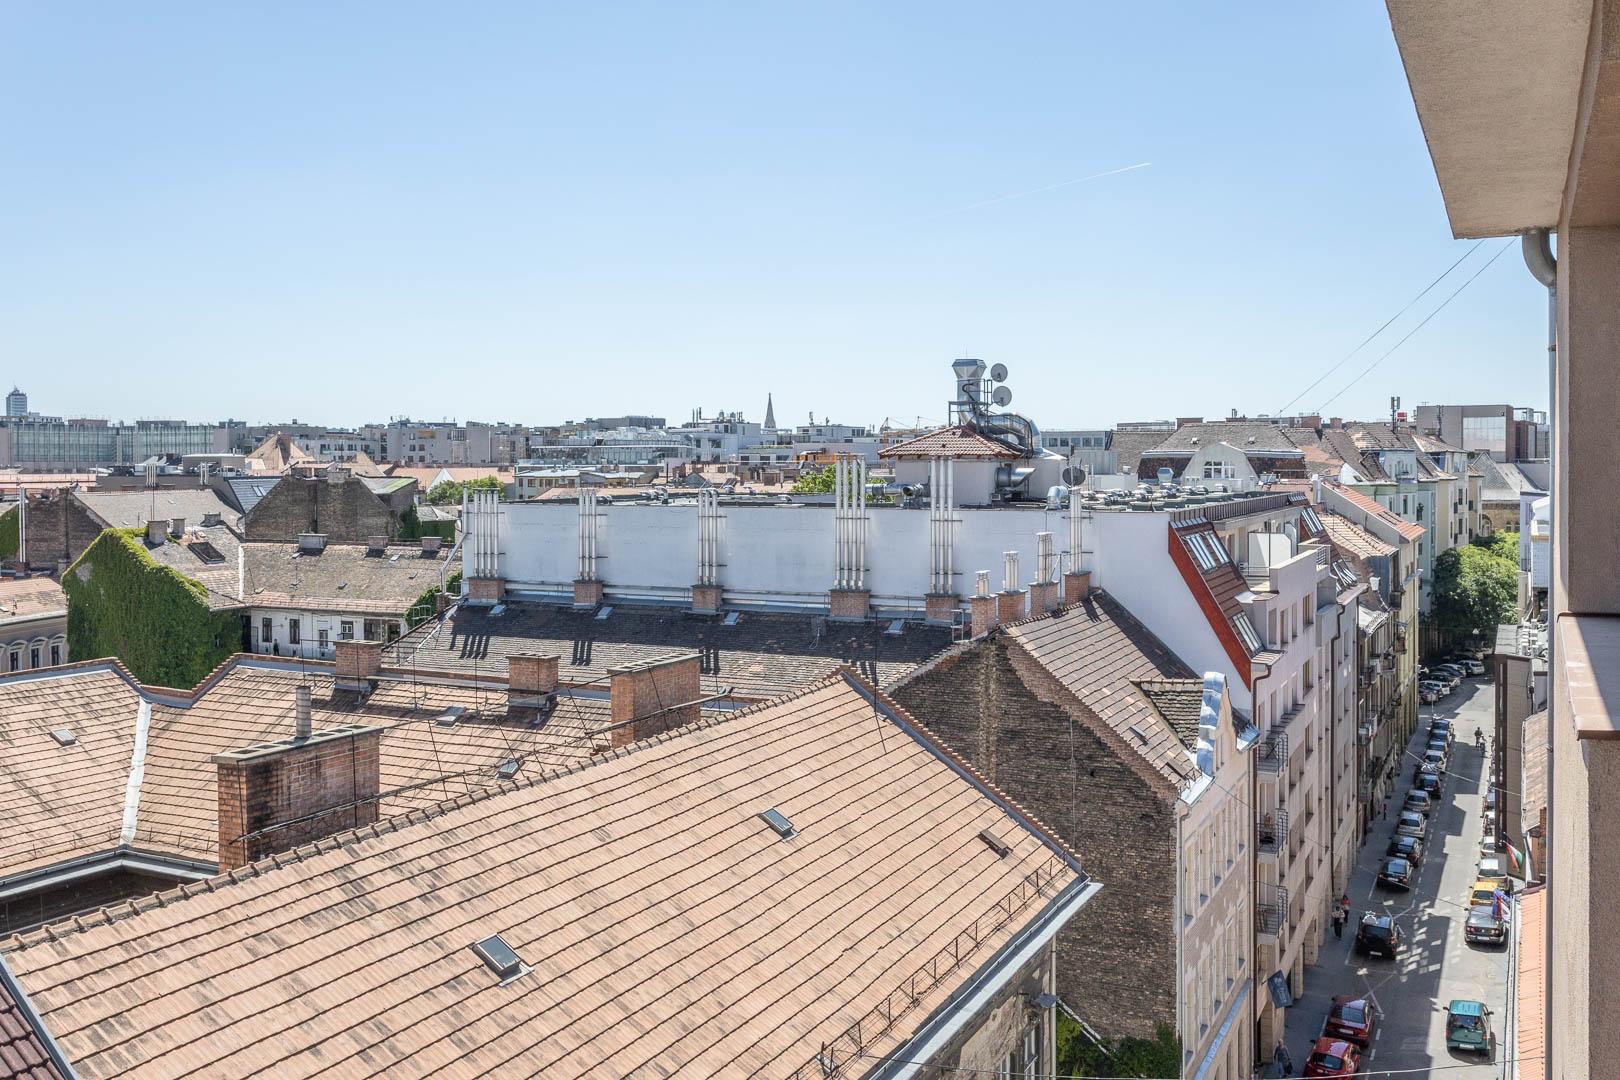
column 1271, row 831
column 1270, row 908
column 1273, row 752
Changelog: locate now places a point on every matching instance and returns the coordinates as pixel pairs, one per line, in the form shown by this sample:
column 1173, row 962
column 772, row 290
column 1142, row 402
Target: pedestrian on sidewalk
column 1280, row 1057
column 1339, row 917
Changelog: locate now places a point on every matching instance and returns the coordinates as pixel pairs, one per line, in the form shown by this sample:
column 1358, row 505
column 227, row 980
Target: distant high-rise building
column 16, row 403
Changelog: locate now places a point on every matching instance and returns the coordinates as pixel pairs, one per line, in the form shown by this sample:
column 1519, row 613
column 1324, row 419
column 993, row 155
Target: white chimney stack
column 303, row 723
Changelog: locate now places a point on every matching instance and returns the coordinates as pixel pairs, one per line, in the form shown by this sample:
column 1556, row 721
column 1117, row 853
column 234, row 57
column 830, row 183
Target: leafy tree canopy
column 1475, row 591
column 819, row 482
column 1504, row 544
column 447, row 492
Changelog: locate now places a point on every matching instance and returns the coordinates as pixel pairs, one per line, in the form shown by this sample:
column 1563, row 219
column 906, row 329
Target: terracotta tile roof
column 343, row 577
column 763, row 655
column 1101, row 654
column 24, row 1055
column 66, row 802
column 60, row 802
column 1351, row 539
column 278, row 453
column 134, row 508
column 208, row 556
column 1530, row 985
column 669, row 930
column 1409, row 530
column 27, row 598
column 956, row 442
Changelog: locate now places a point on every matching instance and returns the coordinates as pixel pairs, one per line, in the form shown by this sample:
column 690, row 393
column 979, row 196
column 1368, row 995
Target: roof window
column 731, row 618
column 779, row 822
column 64, row 737
column 601, row 616
column 1245, row 632
column 449, row 717
column 995, row 843
column 895, row 628
column 508, row 768
column 499, row 957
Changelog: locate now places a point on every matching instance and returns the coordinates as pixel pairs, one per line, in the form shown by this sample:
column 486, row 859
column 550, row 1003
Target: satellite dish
column 998, row 373
column 1073, row 475
column 1002, row 396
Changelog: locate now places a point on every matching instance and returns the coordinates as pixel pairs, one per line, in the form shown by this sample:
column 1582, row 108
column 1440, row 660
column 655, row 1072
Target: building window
column 1032, row 1053
column 346, row 630
column 266, row 631
column 33, row 657
column 293, row 637
column 56, row 655
column 16, row 659
column 1219, row 470
column 322, row 637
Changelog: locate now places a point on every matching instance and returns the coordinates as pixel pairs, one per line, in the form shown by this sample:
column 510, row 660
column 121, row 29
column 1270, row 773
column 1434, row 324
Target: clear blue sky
column 539, row 212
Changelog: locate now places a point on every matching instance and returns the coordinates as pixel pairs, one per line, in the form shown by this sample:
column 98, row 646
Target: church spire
column 770, row 414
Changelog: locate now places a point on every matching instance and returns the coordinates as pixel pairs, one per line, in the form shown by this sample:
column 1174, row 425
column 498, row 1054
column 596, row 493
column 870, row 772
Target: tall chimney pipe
column 303, row 725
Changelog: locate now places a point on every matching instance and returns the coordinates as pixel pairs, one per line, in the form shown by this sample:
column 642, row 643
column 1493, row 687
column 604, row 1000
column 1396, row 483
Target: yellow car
column 1482, row 891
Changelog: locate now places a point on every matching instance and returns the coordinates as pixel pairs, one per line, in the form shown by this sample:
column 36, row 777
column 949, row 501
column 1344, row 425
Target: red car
column 1333, row 1057
column 1351, row 1019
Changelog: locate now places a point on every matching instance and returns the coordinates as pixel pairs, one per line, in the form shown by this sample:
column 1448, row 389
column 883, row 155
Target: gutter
column 122, row 857
column 35, row 1023
column 913, row 1057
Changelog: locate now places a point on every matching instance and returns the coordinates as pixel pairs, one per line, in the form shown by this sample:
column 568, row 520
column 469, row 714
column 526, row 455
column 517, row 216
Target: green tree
column 10, row 523
column 448, row 492
column 1504, row 544
column 819, row 482
column 1475, row 591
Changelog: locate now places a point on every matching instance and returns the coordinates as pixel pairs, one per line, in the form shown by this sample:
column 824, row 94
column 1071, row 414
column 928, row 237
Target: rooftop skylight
column 777, row 821
column 994, row 843
column 499, row 957
column 64, row 737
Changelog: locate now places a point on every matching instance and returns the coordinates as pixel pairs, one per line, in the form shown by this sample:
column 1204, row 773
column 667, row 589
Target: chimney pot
column 303, row 723
column 358, row 662
column 177, row 526
column 376, row 545
column 653, row 696
column 530, row 677
column 430, row 544
column 156, row 531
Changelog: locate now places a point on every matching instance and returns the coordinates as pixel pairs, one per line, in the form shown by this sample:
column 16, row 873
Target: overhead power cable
column 1368, row 339
column 1408, row 335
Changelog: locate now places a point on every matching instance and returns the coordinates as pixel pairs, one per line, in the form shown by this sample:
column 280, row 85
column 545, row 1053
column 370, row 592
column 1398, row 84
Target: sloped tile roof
column 763, row 655
column 343, row 577
column 59, row 802
column 208, row 556
column 1249, row 437
column 1530, row 982
column 1352, row 539
column 23, row 1053
column 1129, row 446
column 1101, row 654
column 278, row 453
column 669, row 930
column 955, row 442
column 133, row 509
column 1410, row 530
column 65, row 802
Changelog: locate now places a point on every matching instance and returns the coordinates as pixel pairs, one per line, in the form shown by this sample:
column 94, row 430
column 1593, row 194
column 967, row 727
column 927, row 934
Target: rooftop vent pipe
column 303, row 724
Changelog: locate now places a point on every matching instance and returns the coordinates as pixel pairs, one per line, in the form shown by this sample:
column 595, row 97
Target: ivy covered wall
column 8, row 533
column 152, row 617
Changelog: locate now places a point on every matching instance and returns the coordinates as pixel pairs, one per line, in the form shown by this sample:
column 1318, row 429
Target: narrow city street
column 1436, row 963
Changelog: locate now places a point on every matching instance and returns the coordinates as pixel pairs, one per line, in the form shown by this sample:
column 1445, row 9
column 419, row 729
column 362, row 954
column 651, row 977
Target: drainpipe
column 1543, row 266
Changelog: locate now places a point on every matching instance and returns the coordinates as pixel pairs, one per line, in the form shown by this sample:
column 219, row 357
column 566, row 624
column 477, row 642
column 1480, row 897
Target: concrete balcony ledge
column 1588, row 653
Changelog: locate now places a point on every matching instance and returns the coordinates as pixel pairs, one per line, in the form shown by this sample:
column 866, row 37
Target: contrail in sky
column 1042, row 190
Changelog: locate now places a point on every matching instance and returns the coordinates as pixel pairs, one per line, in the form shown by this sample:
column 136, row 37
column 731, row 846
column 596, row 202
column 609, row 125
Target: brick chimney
column 1076, row 586
column 275, row 796
column 653, row 696
column 486, row 590
column 982, row 606
column 358, row 663
column 530, row 677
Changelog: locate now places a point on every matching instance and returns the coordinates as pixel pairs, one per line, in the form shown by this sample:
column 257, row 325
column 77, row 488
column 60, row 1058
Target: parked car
column 1468, row 1026
column 1333, row 1057
column 1410, row 823
column 1395, row 874
column 1419, row 801
column 1428, row 782
column 1435, row 687
column 1454, row 670
column 1378, row 935
column 1485, row 926
column 1494, row 868
column 1483, row 892
column 1473, row 667
column 1428, row 695
column 1351, row 1018
column 1439, row 726
column 1434, row 757
column 1406, row 847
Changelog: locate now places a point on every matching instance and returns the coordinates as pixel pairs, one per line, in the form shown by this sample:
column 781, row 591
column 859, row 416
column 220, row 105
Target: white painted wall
column 310, row 626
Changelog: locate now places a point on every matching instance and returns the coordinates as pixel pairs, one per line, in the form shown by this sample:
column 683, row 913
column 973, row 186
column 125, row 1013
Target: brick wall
column 347, row 512
column 58, row 530
column 78, row 897
column 641, row 696
column 1117, row 960
column 321, row 780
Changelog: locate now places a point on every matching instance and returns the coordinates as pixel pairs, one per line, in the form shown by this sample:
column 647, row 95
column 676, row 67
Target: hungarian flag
column 1515, row 859
column 1499, row 903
